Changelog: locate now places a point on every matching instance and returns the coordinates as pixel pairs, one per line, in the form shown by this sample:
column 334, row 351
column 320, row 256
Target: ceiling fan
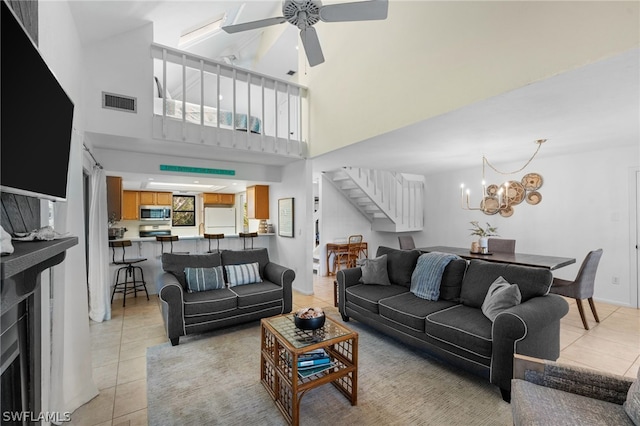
column 306, row 13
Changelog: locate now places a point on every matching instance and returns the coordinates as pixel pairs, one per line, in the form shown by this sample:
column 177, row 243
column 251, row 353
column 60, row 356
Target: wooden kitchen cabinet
column 130, row 205
column 114, row 198
column 258, row 202
column 149, row 198
column 218, row 198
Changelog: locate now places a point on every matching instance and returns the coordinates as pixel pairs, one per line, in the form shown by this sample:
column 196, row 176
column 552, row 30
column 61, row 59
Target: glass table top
column 298, row 338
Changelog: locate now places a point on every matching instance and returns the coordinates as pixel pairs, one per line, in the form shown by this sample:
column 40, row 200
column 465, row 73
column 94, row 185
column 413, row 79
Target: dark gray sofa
column 454, row 328
column 188, row 313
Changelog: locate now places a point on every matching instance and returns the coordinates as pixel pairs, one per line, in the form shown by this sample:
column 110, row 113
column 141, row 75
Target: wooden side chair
column 582, row 287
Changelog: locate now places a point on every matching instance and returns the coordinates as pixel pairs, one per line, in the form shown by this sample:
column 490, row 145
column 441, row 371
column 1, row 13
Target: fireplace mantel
column 28, row 260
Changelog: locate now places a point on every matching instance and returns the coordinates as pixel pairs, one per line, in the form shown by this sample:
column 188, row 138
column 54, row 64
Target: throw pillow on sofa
column 400, row 264
column 374, row 271
column 245, row 273
column 203, row 279
column 427, row 276
column 501, row 295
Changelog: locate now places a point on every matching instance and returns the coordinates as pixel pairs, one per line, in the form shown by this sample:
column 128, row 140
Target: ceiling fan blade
column 254, row 25
column 311, row 45
column 358, row 11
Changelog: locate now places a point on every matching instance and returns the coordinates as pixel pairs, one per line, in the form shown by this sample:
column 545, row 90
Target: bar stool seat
column 245, row 236
column 169, row 239
column 127, row 286
column 216, row 237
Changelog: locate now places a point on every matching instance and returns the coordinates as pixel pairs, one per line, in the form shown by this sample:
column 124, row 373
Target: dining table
column 523, row 259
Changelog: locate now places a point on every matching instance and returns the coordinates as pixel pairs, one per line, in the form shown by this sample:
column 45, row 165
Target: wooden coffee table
column 283, row 342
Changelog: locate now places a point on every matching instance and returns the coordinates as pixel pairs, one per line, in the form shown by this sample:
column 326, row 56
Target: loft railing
column 205, row 101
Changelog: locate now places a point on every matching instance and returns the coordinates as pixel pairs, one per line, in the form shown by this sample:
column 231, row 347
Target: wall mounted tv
column 36, row 118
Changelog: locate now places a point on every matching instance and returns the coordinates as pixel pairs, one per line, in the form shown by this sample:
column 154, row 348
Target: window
column 184, row 210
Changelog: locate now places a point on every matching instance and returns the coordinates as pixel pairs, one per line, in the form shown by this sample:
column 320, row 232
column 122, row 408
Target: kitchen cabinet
column 130, row 205
column 114, row 198
column 149, row 198
column 258, row 202
column 218, row 198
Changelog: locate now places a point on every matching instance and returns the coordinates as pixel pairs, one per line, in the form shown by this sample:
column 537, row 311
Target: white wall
column 586, row 204
column 71, row 370
column 122, row 65
column 455, row 53
column 297, row 252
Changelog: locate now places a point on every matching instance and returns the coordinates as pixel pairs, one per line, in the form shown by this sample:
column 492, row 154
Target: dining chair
column 583, row 285
column 406, row 242
column 349, row 255
column 501, row 245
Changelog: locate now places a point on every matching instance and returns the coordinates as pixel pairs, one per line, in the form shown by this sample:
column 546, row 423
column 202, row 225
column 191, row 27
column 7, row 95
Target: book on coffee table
column 316, row 369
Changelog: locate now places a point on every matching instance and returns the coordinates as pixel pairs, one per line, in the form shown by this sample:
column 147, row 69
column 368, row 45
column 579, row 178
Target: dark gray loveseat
column 454, row 328
column 188, row 313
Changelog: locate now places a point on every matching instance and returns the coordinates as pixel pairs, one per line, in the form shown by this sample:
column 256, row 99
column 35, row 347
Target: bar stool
column 216, row 237
column 170, row 239
column 129, row 271
column 245, row 236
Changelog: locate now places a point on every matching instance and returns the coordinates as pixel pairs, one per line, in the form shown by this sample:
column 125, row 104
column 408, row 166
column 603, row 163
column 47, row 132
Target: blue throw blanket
column 427, row 276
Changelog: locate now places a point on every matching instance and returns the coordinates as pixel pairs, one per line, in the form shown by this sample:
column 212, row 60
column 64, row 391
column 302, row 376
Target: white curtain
column 99, row 295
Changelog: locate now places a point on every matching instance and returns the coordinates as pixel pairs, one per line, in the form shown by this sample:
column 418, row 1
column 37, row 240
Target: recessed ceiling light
column 196, row 181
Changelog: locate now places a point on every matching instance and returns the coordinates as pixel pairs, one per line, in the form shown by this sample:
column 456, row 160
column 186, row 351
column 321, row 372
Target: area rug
column 214, row 379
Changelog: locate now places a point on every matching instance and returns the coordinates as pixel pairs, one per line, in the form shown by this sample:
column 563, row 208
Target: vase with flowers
column 484, row 234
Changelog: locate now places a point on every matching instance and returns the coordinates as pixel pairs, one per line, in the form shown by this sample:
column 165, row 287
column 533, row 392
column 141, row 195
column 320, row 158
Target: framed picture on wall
column 285, row 217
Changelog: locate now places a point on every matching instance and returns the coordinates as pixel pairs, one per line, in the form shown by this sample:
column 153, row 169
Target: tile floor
column 119, row 351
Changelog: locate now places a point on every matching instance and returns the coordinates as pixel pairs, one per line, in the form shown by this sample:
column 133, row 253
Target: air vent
column 291, row 72
column 119, row 102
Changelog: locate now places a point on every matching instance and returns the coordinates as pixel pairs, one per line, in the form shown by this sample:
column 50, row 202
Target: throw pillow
column 501, row 296
column 400, row 264
column 374, row 271
column 632, row 404
column 427, row 275
column 246, row 273
column 203, row 279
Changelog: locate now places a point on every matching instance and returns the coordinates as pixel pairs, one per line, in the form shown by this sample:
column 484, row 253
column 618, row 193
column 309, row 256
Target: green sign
column 202, row 170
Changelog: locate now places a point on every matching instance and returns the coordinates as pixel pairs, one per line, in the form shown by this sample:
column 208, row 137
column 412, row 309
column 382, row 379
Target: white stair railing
column 215, row 100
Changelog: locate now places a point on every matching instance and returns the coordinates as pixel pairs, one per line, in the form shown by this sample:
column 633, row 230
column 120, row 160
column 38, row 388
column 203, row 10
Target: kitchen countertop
column 181, row 237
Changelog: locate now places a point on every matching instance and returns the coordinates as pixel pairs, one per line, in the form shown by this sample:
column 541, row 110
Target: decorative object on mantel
column 482, row 246
column 46, row 233
column 502, row 198
column 5, row 242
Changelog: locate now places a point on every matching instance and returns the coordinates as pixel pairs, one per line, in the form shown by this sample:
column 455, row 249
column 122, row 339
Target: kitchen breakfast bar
column 151, row 249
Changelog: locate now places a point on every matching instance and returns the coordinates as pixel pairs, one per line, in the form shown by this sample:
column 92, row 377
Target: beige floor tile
column 568, row 335
column 132, row 369
column 143, row 333
column 105, row 376
column 138, row 348
column 595, row 344
column 103, row 356
column 104, row 339
column 98, row 410
column 633, row 370
column 138, row 418
column 596, row 359
column 141, row 320
column 130, row 397
column 629, row 311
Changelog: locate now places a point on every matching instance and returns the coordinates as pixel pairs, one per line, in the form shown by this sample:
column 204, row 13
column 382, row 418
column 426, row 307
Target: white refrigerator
column 220, row 220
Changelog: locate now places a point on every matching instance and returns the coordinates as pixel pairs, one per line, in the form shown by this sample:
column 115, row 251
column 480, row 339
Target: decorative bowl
column 308, row 323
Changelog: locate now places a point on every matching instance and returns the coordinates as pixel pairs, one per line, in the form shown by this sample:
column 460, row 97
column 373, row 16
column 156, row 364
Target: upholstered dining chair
column 406, row 242
column 582, row 286
column 501, row 245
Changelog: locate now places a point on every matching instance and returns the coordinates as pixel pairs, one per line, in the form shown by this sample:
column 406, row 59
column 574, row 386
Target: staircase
column 392, row 202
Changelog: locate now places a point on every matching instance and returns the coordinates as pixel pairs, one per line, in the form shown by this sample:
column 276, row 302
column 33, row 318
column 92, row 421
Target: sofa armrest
column 530, row 328
column 346, row 278
column 577, row 380
column 283, row 277
column 172, row 302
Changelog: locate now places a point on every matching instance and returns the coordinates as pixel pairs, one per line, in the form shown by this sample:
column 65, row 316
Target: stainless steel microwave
column 155, row 213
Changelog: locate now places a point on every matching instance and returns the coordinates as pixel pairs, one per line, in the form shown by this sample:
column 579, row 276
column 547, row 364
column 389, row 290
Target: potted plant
column 483, row 233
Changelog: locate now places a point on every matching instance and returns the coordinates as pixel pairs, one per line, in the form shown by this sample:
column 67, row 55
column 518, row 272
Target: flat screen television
column 36, row 118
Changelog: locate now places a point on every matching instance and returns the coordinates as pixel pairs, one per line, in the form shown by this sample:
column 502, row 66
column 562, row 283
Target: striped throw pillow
column 203, row 279
column 246, row 273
